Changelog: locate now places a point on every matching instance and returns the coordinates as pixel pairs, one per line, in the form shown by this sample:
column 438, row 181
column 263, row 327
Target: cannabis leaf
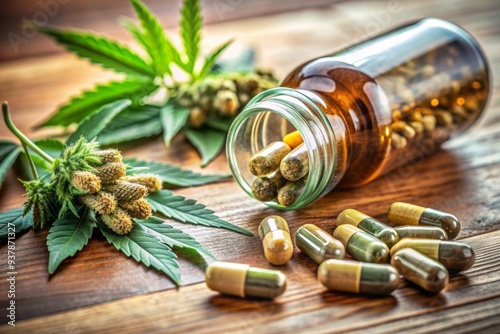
column 174, row 175
column 9, row 152
column 188, row 211
column 91, row 126
column 172, row 120
column 191, row 31
column 143, row 248
column 69, row 235
column 12, row 221
column 88, row 101
column 171, row 236
column 208, row 142
column 212, row 58
column 100, row 50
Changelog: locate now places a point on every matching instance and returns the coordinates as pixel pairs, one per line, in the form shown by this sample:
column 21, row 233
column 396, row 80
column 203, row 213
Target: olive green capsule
column 318, row 244
column 421, row 232
column 455, row 256
column 358, row 277
column 266, row 188
column 361, row 245
column 370, row 225
column 291, row 191
column 268, row 159
column 420, row 269
column 245, row 281
column 295, row 165
column 276, row 240
column 409, row 214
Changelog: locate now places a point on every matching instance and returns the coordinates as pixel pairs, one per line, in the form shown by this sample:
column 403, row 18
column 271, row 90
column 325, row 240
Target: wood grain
column 463, row 179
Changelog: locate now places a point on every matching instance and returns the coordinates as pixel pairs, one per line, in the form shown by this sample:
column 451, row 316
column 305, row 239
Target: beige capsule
column 268, row 159
column 276, row 240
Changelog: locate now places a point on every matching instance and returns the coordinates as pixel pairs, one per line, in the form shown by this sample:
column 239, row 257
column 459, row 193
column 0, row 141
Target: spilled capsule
column 276, row 240
column 421, row 232
column 358, row 277
column 420, row 269
column 361, row 245
column 370, row 225
column 318, row 244
column 455, row 256
column 410, row 214
column 268, row 159
column 245, row 281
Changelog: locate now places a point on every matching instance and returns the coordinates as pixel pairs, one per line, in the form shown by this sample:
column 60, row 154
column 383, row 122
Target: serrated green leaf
column 69, row 235
column 174, row 175
column 92, row 125
column 171, row 236
column 134, row 30
column 9, row 152
column 188, row 211
column 145, row 249
column 88, row 101
column 12, row 221
column 160, row 48
column 207, row 141
column 100, row 50
column 212, row 58
column 133, row 123
column 52, row 147
column 191, row 32
column 220, row 123
column 172, row 120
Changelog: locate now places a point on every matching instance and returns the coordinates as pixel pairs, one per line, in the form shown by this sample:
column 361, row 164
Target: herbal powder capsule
column 358, row 277
column 421, row 232
column 268, row 159
column 410, row 214
column 368, row 224
column 276, row 240
column 361, row 245
column 318, row 244
column 420, row 269
column 455, row 256
column 295, row 165
column 244, row 281
column 266, row 188
column 291, row 191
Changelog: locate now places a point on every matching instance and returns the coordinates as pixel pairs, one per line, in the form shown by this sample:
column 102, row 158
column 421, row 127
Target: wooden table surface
column 100, row 290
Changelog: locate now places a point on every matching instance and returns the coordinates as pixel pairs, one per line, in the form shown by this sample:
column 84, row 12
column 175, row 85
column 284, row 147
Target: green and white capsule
column 276, row 240
column 244, row 281
column 361, row 245
column 318, row 244
column 421, row 232
column 455, row 256
column 410, row 214
column 368, row 224
column 420, row 269
column 358, row 277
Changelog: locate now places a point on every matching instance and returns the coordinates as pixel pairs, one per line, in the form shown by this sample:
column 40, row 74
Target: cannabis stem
column 21, row 136
column 32, row 165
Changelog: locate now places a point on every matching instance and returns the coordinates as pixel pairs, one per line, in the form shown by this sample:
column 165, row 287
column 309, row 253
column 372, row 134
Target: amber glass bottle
column 368, row 109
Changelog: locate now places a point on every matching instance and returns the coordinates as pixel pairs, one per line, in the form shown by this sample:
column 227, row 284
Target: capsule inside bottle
column 358, row 277
column 455, row 256
column 318, row 244
column 295, row 164
column 266, row 188
column 421, row 232
column 420, row 269
column 244, row 281
column 276, row 240
column 370, row 225
column 410, row 214
column 361, row 245
column 268, row 159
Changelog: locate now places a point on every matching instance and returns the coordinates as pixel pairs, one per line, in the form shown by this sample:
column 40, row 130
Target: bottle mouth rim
column 301, row 109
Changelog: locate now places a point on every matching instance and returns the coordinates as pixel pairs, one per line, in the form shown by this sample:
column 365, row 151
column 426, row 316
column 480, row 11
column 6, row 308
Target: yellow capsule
column 276, row 240
column 361, row 245
column 368, row 224
column 293, row 139
column 455, row 256
column 268, row 159
column 245, row 281
column 410, row 214
column 421, row 232
column 420, row 269
column 358, row 277
column 318, row 244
